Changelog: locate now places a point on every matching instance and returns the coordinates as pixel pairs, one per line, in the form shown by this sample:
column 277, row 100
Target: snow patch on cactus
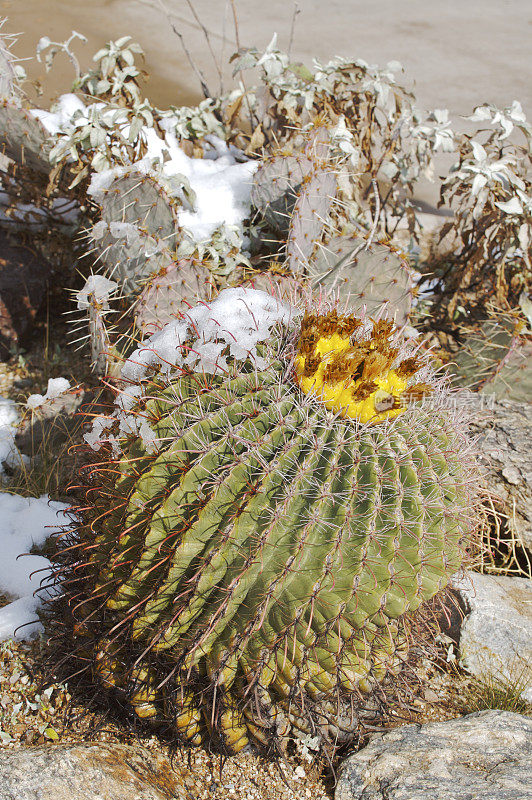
column 238, row 319
column 231, row 325
column 97, row 287
column 220, row 182
column 99, row 434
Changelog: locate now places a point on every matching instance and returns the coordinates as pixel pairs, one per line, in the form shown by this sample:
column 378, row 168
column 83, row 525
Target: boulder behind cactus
column 250, row 555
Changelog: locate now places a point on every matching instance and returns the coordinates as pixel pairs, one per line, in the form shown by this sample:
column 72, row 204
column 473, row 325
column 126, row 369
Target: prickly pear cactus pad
column 276, row 492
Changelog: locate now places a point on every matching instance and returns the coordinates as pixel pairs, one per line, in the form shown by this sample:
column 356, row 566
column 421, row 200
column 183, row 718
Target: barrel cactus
column 274, row 494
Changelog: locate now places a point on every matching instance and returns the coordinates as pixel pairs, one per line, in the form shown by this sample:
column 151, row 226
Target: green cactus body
column 263, row 551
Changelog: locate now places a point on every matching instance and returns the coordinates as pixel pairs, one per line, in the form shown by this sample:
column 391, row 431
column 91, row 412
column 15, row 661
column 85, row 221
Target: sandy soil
column 456, row 55
column 459, row 53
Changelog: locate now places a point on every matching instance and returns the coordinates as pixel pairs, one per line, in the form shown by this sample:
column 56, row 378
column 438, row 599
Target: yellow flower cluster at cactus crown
column 354, row 378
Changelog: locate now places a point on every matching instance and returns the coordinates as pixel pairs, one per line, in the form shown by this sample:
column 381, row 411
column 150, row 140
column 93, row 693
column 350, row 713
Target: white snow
column 100, row 433
column 62, row 212
column 9, row 419
column 221, row 184
column 9, row 414
column 102, row 181
column 25, row 522
column 56, row 387
column 202, row 339
column 221, row 181
column 237, row 319
column 60, row 119
column 99, row 287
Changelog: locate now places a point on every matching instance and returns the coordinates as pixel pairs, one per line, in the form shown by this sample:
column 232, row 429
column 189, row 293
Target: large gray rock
column 496, row 635
column 92, row 771
column 504, row 431
column 484, row 756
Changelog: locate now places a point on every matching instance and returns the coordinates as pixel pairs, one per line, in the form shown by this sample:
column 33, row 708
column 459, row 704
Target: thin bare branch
column 235, row 22
column 207, row 39
column 297, row 11
column 201, row 77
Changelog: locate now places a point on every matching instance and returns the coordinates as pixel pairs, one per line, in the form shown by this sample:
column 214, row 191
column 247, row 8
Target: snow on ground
column 9, row 419
column 63, row 212
column 25, row 522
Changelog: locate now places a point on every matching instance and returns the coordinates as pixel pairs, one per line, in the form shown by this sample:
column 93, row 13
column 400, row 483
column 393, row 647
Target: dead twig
column 201, row 77
column 297, row 11
column 207, row 39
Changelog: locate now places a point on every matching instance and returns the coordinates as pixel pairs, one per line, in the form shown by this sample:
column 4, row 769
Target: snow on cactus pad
column 237, row 320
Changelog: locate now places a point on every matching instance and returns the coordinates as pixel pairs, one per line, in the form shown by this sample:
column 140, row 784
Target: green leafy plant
column 490, row 191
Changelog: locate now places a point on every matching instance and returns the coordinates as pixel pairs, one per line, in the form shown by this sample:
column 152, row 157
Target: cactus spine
column 251, row 555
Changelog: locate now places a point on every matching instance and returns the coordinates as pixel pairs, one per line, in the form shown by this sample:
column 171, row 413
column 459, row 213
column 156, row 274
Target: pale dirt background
column 456, row 53
column 459, row 52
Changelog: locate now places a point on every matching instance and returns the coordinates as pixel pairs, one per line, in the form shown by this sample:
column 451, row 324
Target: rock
column 504, row 431
column 23, row 283
column 484, row 756
column 496, row 635
column 88, row 771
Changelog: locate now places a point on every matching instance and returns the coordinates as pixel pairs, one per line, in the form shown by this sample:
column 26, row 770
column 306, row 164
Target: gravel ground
column 33, row 715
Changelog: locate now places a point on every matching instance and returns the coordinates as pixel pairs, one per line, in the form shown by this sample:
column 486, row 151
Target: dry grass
column 53, row 463
column 497, row 691
column 501, row 550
